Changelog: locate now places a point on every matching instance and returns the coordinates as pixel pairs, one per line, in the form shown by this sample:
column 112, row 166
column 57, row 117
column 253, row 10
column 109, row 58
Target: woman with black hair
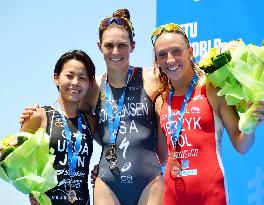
column 70, row 130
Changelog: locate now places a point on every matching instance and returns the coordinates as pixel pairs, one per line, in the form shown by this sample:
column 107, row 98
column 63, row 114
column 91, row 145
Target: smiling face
column 73, row 81
column 173, row 55
column 116, row 48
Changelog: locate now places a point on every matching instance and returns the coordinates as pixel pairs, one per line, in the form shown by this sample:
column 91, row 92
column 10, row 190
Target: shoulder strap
column 87, row 123
column 49, row 116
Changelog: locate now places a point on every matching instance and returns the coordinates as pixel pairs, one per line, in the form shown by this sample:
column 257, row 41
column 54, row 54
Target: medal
column 113, row 164
column 175, row 132
column 114, row 121
column 175, row 165
column 72, row 152
column 175, row 169
column 71, row 193
column 111, row 157
column 72, row 196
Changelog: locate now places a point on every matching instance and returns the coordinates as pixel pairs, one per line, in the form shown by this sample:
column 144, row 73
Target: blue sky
column 34, row 34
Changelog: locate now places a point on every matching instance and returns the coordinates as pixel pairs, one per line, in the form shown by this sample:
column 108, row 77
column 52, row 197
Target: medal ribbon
column 72, row 154
column 175, row 134
column 113, row 123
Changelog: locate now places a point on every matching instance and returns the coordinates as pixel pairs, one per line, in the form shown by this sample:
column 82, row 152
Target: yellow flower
column 207, row 60
column 9, row 144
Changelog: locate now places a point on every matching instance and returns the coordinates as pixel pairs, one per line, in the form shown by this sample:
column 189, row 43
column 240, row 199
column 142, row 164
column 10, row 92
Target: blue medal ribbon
column 72, row 154
column 113, row 122
column 176, row 133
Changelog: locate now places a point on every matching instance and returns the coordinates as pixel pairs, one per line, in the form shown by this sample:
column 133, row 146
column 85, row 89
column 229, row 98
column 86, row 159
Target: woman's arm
column 88, row 103
column 152, row 83
column 161, row 141
column 241, row 142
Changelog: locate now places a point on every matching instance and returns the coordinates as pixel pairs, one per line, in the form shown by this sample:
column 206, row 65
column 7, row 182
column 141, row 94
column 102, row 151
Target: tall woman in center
column 129, row 169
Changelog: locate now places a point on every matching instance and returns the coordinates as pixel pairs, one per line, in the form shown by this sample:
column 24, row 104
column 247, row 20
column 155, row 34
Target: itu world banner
column 207, row 23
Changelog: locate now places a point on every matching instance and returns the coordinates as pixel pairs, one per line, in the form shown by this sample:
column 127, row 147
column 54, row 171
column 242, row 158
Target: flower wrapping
column 240, row 78
column 29, row 167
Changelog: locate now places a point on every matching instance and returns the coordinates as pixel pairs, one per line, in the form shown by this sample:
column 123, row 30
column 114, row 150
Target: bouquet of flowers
column 238, row 70
column 26, row 162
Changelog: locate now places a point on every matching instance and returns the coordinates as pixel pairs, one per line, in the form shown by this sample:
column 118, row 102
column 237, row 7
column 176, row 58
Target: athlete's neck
column 180, row 86
column 69, row 109
column 117, row 78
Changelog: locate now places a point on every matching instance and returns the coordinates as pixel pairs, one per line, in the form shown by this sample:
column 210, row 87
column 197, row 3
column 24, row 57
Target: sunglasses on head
column 118, row 20
column 169, row 28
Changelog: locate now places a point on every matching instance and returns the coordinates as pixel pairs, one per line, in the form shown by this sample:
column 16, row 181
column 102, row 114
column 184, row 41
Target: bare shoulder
column 98, row 80
column 215, row 100
column 150, row 73
column 151, row 81
column 158, row 104
column 37, row 120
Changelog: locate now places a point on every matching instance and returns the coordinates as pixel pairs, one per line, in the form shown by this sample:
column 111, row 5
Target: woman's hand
column 94, row 174
column 259, row 112
column 29, row 110
column 32, row 200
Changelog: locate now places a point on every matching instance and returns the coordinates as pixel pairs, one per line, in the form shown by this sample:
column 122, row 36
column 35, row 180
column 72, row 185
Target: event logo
column 257, row 182
column 199, row 47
